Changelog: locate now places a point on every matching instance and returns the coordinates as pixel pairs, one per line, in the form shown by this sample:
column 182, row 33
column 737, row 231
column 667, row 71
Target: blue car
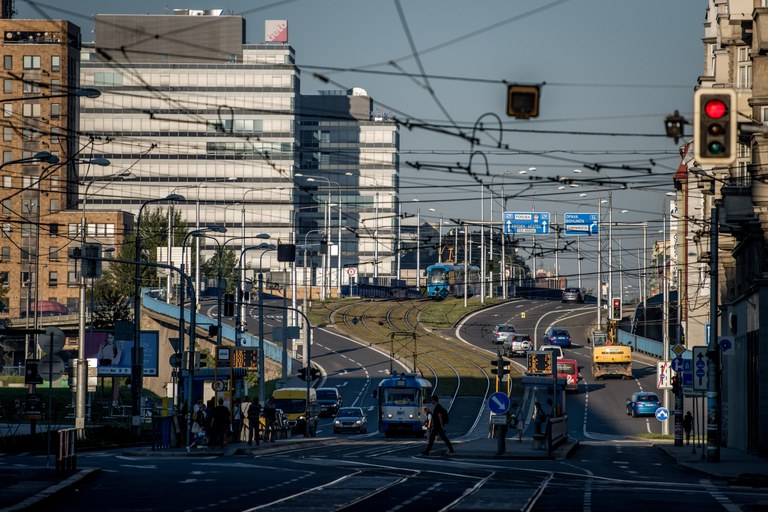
column 557, row 336
column 643, row 403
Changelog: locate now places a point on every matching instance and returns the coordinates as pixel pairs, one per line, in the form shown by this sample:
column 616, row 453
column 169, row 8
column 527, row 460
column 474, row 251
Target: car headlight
column 301, row 418
column 337, row 422
column 357, row 422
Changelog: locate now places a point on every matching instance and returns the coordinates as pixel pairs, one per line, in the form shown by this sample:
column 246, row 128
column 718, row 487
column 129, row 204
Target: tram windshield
column 437, row 276
column 392, row 396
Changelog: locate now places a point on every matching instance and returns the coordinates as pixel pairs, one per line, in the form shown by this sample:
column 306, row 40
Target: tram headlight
column 389, row 415
column 410, row 416
column 337, row 422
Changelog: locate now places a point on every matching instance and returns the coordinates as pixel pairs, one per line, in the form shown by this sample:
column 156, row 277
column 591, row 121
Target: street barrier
column 66, row 459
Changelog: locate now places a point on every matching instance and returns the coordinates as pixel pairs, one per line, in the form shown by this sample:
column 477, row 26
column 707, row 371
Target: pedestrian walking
column 688, row 426
column 237, row 420
column 254, row 421
column 220, row 424
column 270, row 417
column 439, row 420
column 538, row 417
column 516, row 421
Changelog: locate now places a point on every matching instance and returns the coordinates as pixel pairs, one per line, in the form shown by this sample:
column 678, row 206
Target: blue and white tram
column 402, row 399
column 445, row 279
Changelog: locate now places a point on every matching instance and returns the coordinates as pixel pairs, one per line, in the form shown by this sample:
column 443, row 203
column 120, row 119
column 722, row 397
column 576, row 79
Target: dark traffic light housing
column 616, row 308
column 523, row 101
column 303, row 373
column 715, row 126
column 675, row 384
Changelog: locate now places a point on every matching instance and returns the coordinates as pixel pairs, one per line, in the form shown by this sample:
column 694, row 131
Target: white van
column 554, row 348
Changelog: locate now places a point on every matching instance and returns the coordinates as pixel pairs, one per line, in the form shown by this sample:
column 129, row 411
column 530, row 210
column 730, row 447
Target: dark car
column 350, row 419
column 643, row 403
column 329, row 400
column 572, row 295
column 557, row 336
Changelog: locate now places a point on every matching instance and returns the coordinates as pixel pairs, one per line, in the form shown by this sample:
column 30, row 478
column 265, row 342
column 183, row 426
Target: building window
column 31, row 87
column 7, row 182
column 745, row 68
column 27, row 231
column 55, row 63
column 54, row 206
column 6, row 230
column 30, row 135
column 7, row 110
column 7, row 156
column 6, row 254
column 55, row 131
column 53, row 253
column 54, row 228
column 32, row 62
column 72, row 279
column 55, row 110
column 31, row 110
column 55, row 86
column 7, row 134
column 73, row 230
column 53, row 279
column 8, row 61
column 7, row 206
column 5, row 279
column 8, row 86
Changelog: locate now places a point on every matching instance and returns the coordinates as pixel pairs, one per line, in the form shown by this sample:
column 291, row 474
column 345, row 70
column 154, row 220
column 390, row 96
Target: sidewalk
column 488, row 449
column 739, row 467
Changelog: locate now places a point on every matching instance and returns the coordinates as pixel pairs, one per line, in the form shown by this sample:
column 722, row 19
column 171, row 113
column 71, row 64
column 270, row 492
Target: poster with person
column 115, row 356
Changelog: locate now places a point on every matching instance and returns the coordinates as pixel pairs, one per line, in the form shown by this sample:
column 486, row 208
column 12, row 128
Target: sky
column 609, row 70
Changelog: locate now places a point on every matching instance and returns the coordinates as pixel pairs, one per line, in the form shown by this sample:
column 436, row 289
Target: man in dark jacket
column 254, row 420
column 439, row 415
column 220, row 424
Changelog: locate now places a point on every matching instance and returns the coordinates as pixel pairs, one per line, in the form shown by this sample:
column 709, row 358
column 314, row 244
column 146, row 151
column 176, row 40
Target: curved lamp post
column 137, row 368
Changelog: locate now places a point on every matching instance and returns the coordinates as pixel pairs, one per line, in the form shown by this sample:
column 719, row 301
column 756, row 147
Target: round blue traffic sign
column 700, row 372
column 499, row 403
column 662, row 414
column 677, row 364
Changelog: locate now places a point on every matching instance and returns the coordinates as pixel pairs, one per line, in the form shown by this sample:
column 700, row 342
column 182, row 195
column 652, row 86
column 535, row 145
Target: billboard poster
column 114, row 356
column 276, row 31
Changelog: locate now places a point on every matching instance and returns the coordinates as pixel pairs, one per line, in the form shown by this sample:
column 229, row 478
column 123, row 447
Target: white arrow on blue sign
column 662, row 414
column 499, row 403
column 579, row 224
column 532, row 223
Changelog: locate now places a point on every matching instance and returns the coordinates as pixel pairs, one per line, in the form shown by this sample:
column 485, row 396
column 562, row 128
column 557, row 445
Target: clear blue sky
column 612, row 69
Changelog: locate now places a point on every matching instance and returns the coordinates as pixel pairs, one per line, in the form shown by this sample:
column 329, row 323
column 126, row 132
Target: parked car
column 573, row 295
column 502, row 332
column 350, row 419
column 643, row 403
column 330, row 401
column 517, row 345
column 557, row 336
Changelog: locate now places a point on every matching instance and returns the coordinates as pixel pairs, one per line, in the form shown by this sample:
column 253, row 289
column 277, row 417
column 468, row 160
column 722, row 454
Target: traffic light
column 675, row 384
column 90, row 265
column 213, row 330
column 715, row 127
column 303, row 373
column 229, row 304
column 286, row 252
column 314, row 373
column 616, row 309
column 523, row 101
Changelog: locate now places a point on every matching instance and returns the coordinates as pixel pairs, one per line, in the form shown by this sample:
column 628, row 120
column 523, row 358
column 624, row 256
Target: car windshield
column 505, row 328
column 559, row 333
column 647, row 398
column 326, row 394
column 568, row 368
column 437, row 276
column 523, row 337
column 291, row 405
column 349, row 412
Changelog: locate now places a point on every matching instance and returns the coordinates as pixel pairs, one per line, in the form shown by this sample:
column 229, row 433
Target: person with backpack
column 440, row 419
column 254, row 421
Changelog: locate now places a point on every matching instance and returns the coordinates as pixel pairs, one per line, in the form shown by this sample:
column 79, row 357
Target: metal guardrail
column 640, row 344
column 66, row 458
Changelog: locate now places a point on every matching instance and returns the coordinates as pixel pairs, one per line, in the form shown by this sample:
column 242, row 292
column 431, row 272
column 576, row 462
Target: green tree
column 230, row 271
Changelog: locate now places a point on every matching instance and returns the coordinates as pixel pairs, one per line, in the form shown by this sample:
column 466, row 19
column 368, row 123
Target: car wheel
column 634, row 413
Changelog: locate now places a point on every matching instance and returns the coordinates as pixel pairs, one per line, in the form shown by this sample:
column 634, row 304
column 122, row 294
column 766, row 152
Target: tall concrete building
column 41, row 160
column 190, row 109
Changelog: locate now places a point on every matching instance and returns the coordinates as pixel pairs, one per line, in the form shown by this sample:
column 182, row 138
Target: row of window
column 33, row 62
column 73, row 230
column 32, row 110
column 247, row 82
column 26, row 279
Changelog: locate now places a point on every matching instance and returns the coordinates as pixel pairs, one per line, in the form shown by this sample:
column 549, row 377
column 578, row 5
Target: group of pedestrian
column 213, row 423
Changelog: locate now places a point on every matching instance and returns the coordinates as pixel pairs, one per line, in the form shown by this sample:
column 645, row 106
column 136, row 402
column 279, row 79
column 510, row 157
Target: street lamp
column 82, row 368
column 137, row 369
column 265, row 247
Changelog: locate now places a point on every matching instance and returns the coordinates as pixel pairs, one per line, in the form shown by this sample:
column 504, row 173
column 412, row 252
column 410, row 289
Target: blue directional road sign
column 531, row 223
column 499, row 403
column 580, row 224
column 662, row 414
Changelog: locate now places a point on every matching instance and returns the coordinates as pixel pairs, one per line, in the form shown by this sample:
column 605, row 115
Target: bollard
column 66, row 459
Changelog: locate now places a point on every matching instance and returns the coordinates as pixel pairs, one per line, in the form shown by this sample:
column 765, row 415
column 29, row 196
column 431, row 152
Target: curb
column 52, row 490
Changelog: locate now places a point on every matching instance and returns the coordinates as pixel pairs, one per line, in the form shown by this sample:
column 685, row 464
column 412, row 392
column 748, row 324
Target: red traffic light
column 616, row 303
column 715, row 108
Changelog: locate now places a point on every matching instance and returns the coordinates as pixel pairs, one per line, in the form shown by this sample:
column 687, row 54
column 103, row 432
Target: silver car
column 350, row 419
column 502, row 332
